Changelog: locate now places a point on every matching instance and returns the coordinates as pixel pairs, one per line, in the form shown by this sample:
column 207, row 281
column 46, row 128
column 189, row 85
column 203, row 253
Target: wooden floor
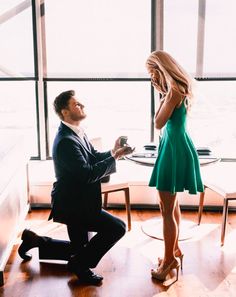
column 209, row 270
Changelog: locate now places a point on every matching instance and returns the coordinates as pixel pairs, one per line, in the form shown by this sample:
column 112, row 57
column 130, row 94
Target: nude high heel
column 162, row 275
column 181, row 256
column 181, row 260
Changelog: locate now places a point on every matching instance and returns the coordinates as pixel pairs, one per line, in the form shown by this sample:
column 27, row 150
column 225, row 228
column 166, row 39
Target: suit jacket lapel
column 87, row 142
column 82, row 143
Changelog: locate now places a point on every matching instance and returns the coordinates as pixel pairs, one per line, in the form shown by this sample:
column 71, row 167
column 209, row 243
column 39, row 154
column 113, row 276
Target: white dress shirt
column 78, row 130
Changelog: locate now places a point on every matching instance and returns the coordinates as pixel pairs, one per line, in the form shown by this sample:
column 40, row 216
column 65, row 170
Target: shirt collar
column 78, row 130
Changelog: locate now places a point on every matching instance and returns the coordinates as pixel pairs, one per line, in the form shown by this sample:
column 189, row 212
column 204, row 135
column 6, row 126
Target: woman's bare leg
column 170, row 226
column 177, row 215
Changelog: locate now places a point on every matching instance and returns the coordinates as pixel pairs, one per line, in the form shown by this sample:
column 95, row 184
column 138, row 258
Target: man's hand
column 116, row 146
column 123, row 151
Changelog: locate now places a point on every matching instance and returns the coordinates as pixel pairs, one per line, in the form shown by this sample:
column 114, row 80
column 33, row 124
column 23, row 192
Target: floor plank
column 209, row 269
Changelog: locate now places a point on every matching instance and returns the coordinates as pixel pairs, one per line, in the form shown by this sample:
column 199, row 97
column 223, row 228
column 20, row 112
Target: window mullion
column 200, row 37
column 39, row 61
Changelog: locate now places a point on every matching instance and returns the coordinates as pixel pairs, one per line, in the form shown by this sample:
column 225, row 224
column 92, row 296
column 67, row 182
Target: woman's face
column 154, row 74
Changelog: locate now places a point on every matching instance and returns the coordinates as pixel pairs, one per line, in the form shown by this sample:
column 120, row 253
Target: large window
column 220, row 39
column 103, row 46
column 212, row 119
column 99, row 49
column 97, row 38
column 113, row 109
column 16, row 46
column 202, row 32
column 180, row 31
column 201, row 35
column 18, row 112
column 18, row 104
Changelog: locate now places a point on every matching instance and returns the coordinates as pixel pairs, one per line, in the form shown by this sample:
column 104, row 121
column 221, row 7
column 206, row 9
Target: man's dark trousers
column 81, row 251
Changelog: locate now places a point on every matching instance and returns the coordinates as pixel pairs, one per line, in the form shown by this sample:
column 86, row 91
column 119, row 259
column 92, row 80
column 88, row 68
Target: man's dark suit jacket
column 76, row 194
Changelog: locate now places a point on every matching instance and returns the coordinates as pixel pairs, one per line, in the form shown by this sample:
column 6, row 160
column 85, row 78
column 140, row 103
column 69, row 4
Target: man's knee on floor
column 120, row 228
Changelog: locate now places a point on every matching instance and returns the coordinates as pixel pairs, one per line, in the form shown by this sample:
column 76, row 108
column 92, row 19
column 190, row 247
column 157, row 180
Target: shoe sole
column 24, row 256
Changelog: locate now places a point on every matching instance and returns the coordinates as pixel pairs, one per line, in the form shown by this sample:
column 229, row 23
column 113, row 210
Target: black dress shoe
column 30, row 240
column 85, row 276
column 89, row 277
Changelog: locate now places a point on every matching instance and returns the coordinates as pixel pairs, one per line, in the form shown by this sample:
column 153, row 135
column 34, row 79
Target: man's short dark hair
column 61, row 102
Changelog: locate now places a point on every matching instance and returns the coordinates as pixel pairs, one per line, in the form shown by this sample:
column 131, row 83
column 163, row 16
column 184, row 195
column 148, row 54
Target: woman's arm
column 166, row 108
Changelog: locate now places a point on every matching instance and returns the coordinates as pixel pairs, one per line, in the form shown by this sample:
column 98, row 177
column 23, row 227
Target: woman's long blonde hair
column 167, row 74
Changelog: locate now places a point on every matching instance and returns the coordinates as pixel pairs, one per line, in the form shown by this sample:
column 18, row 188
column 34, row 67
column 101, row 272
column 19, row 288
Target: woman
column 177, row 165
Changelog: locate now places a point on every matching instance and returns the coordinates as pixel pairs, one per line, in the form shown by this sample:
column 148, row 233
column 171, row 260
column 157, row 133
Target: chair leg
column 105, row 200
column 224, row 220
column 200, row 208
column 127, row 206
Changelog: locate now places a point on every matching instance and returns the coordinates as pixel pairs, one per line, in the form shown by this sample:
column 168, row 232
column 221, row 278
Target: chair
column 221, row 181
column 115, row 185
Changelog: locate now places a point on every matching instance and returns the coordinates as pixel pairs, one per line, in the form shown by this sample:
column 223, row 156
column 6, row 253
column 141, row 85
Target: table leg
column 127, row 205
column 224, row 220
column 201, row 202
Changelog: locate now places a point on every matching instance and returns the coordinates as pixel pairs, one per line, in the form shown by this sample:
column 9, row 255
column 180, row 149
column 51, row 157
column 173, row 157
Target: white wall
column 41, row 176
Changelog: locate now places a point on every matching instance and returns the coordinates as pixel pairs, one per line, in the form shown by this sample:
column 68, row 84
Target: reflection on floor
column 208, row 269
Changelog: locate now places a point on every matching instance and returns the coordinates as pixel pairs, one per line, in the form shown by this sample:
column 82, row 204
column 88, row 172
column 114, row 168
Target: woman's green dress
column 177, row 166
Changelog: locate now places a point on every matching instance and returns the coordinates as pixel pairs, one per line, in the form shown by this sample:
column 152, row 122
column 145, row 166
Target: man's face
column 75, row 110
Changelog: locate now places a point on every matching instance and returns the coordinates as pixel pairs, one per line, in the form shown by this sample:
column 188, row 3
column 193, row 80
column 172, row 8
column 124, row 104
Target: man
column 76, row 196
